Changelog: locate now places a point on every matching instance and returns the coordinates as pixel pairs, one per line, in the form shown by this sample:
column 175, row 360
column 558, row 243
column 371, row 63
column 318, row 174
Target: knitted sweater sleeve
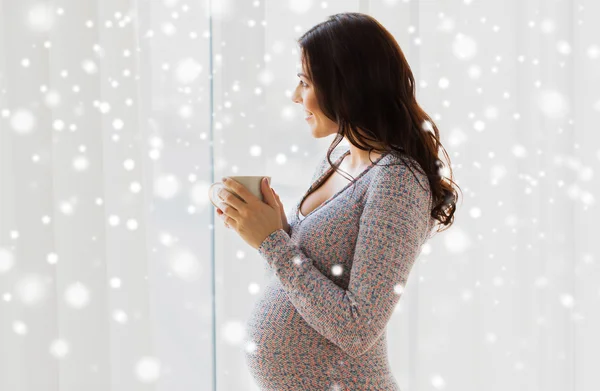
column 393, row 226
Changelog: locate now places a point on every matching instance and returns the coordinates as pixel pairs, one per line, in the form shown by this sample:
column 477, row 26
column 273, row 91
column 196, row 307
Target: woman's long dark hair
column 363, row 81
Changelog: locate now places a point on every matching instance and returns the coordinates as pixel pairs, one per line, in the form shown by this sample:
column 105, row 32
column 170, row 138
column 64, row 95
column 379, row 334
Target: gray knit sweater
column 320, row 322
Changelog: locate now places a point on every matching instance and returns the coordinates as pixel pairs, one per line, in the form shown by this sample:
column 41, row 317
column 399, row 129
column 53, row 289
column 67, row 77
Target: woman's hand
column 251, row 217
column 220, row 212
column 286, row 226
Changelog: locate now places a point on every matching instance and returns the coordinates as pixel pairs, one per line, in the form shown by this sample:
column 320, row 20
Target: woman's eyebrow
column 302, row 74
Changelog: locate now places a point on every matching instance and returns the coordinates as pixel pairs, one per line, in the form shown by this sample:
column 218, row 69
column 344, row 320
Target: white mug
column 250, row 182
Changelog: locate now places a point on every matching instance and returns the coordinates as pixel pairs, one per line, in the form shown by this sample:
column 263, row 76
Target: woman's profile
column 340, row 267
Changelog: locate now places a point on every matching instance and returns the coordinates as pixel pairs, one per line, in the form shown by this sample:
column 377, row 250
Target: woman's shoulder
column 401, row 162
column 401, row 170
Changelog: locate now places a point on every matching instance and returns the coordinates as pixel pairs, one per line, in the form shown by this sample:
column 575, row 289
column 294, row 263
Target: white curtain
column 116, row 116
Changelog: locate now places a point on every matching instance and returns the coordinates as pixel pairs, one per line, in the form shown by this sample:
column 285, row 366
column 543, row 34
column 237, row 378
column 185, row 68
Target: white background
column 117, row 274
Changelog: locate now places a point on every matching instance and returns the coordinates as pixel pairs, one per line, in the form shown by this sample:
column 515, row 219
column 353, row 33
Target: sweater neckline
column 299, row 214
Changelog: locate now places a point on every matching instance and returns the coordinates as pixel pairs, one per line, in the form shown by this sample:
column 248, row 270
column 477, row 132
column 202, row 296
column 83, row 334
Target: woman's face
column 304, row 94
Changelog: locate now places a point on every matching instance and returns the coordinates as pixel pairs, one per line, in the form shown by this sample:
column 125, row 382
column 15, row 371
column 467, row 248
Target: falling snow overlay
column 116, row 273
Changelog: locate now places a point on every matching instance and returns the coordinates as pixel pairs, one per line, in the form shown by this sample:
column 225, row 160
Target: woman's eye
column 302, row 83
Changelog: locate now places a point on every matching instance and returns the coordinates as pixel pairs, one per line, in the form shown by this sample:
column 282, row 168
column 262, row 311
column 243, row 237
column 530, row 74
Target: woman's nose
column 294, row 98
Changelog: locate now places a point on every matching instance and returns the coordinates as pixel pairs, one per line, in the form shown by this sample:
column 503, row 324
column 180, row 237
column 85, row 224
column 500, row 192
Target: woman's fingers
column 220, row 213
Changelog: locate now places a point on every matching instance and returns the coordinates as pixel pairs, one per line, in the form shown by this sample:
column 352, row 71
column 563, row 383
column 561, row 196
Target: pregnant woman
column 340, row 263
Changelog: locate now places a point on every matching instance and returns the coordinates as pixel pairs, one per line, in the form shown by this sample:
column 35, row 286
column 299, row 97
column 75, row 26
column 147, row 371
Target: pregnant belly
column 276, row 328
column 284, row 352
column 281, row 346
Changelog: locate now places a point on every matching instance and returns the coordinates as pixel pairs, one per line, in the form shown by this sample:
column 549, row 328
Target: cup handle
column 210, row 193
